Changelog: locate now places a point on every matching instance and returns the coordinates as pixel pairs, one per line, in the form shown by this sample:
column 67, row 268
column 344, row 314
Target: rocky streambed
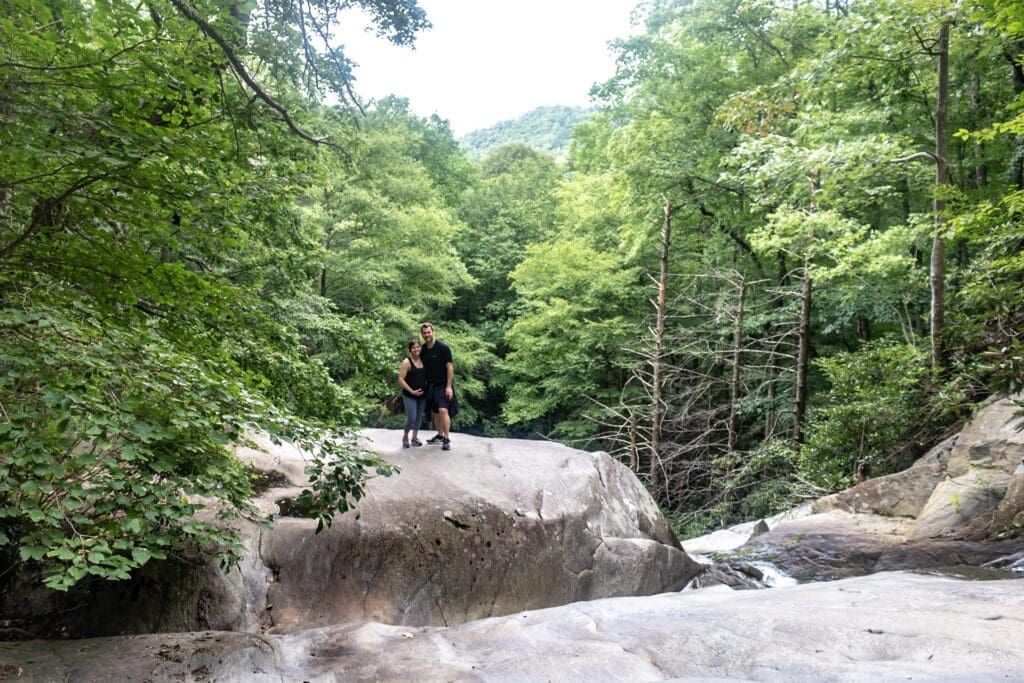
column 515, row 560
column 883, row 627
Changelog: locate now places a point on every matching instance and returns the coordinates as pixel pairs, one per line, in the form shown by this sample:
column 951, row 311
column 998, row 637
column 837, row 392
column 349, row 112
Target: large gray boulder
column 884, row 627
column 492, row 527
column 1008, row 519
column 954, row 490
column 903, row 494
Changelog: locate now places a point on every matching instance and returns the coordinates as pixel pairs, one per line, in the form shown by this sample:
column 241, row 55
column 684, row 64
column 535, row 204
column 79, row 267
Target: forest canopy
column 783, row 254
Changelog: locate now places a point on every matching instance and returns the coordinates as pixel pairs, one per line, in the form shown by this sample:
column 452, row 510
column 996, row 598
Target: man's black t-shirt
column 435, row 362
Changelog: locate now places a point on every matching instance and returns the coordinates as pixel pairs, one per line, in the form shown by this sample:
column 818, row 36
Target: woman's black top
column 415, row 377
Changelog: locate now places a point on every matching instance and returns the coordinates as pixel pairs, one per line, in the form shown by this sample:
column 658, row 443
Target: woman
column 412, row 377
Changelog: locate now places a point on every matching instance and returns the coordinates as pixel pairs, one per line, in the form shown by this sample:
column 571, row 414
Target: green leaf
column 31, row 552
column 141, row 556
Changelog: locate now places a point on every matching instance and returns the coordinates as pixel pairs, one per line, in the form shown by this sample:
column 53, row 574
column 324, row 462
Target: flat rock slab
column 884, row 627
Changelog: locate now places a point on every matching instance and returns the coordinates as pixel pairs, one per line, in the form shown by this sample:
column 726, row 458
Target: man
column 441, row 403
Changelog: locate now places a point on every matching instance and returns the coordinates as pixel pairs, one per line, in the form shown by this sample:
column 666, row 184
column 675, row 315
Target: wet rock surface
column 890, row 626
column 734, row 575
column 956, row 510
column 839, row 544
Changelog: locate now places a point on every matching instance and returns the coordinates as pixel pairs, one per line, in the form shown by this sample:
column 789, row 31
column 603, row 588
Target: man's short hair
column 426, row 325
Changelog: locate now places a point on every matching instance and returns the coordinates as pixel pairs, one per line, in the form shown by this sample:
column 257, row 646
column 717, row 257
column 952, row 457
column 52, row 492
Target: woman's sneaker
column 416, row 442
column 437, row 438
column 446, row 445
column 405, row 442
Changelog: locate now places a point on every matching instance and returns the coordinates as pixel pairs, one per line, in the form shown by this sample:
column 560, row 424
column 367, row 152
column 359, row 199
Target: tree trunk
column 657, row 408
column 634, row 452
column 1015, row 53
column 938, row 257
column 980, row 167
column 734, row 383
column 803, row 354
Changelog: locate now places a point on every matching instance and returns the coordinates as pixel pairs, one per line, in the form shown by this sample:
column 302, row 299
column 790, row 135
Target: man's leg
column 443, row 422
column 435, row 424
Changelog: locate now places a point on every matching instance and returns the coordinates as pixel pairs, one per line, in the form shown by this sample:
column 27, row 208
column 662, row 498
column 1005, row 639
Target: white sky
column 486, row 61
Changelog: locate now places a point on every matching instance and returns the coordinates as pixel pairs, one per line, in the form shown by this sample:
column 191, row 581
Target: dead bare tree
column 727, row 343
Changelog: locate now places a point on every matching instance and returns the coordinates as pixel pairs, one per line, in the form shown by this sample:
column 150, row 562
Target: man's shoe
column 437, row 438
column 446, row 445
column 416, row 442
column 405, row 443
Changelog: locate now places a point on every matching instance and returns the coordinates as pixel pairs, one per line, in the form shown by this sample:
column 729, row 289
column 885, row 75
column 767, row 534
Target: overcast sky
column 486, row 61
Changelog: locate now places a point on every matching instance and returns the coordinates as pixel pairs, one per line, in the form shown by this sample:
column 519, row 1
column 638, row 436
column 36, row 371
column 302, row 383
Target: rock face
column 903, row 494
column 960, row 506
column 963, row 505
column 955, row 489
column 993, row 439
column 884, row 627
column 492, row 527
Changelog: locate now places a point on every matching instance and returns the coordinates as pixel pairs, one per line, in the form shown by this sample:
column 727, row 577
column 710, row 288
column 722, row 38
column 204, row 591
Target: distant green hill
column 547, row 129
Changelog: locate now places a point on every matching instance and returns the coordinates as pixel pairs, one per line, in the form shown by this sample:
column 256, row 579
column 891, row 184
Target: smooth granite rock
column 958, row 503
column 993, row 438
column 492, row 527
column 884, row 627
column 903, row 494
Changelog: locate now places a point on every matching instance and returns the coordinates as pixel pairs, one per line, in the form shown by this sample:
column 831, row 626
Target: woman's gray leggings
column 413, row 411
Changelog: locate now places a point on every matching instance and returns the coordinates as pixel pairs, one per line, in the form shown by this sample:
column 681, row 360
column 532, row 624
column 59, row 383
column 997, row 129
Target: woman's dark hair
column 412, row 341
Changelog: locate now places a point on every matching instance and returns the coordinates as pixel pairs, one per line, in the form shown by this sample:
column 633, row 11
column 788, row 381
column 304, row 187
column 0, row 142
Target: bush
column 113, row 428
column 876, row 410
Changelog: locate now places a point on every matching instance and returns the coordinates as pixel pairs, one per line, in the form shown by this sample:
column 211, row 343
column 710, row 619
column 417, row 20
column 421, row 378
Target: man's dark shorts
column 436, row 400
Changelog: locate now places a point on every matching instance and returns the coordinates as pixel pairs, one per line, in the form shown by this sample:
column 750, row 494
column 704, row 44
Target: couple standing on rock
column 426, row 380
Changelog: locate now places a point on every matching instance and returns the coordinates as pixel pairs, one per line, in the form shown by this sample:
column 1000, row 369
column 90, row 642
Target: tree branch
column 930, row 156
column 43, row 214
column 192, row 14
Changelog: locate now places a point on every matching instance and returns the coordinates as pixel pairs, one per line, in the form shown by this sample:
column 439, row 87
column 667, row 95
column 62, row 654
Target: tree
column 148, row 180
column 565, row 344
column 511, row 206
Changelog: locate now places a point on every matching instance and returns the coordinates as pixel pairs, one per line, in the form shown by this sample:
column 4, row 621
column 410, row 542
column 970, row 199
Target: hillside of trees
column 784, row 255
column 547, row 129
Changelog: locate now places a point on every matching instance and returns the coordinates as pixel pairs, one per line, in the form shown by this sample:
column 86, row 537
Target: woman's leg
column 421, row 403
column 412, row 417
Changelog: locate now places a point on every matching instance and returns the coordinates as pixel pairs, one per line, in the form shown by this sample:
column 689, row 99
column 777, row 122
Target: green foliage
column 874, row 415
column 546, row 129
column 178, row 266
column 511, row 206
column 384, row 228
column 113, row 435
column 747, row 486
column 149, row 252
column 779, row 132
column 566, row 343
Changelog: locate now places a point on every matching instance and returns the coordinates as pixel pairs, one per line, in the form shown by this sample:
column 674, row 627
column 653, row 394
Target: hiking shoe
column 405, row 443
column 446, row 445
column 416, row 442
column 437, row 438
